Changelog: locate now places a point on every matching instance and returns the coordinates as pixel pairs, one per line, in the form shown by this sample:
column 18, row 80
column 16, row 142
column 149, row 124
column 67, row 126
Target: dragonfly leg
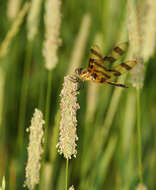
column 74, row 78
column 116, row 84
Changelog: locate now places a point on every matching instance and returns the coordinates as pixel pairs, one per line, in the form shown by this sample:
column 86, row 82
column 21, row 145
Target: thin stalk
column 47, row 111
column 41, row 96
column 66, row 177
column 139, row 137
column 24, row 95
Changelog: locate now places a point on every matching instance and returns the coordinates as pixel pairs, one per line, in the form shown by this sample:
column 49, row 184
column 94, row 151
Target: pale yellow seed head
column 141, row 187
column 135, row 41
column 149, row 29
column 137, row 75
column 3, row 184
column 13, row 7
column 68, row 106
column 71, row 188
column 33, row 18
column 34, row 150
column 133, row 30
column 52, row 32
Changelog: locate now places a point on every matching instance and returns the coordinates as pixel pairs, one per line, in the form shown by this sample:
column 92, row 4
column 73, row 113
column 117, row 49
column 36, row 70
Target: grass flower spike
column 3, row 184
column 68, row 123
column 52, row 40
column 71, row 188
column 141, row 187
column 135, row 38
column 34, row 150
column 133, row 30
column 33, row 18
column 149, row 30
column 13, row 7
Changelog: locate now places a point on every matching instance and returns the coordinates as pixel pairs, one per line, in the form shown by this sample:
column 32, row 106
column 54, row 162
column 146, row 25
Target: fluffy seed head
column 137, row 75
column 71, row 188
column 13, row 7
column 149, row 29
column 34, row 150
column 68, row 123
column 135, row 39
column 133, row 30
column 33, row 18
column 141, row 187
column 3, row 184
column 52, row 36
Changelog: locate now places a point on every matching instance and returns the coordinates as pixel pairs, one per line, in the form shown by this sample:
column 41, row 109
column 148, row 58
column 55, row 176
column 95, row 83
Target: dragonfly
column 97, row 69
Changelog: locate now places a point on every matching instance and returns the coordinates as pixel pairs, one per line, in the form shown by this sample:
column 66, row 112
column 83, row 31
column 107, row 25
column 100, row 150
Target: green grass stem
column 66, row 177
column 139, row 137
column 24, row 95
column 41, row 93
column 47, row 112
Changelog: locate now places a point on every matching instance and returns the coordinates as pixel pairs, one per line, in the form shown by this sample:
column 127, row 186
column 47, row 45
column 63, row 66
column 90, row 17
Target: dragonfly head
column 83, row 74
column 78, row 71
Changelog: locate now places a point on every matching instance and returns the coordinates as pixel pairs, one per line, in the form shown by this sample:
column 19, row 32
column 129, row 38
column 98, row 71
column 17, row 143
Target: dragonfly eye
column 78, row 71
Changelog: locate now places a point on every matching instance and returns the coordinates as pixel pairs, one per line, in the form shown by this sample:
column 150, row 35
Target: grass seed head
column 68, row 123
column 52, row 33
column 33, row 18
column 71, row 188
column 34, row 150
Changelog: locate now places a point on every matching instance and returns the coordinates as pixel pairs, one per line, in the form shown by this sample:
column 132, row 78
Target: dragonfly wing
column 116, row 53
column 122, row 68
column 99, row 73
column 95, row 57
column 97, row 70
column 95, row 52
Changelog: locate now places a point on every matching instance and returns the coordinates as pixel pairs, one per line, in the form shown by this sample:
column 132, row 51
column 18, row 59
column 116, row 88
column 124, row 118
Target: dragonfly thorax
column 83, row 74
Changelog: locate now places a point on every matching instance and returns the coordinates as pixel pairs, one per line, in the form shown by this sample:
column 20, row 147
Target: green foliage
column 107, row 144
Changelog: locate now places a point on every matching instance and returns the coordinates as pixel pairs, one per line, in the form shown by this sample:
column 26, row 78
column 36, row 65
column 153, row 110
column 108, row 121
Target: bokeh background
column 107, row 146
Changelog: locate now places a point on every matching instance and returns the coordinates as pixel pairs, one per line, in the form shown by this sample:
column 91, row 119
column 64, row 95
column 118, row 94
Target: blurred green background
column 107, row 145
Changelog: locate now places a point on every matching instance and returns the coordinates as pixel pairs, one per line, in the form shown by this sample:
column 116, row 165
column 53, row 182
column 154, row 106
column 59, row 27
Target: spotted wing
column 116, row 53
column 95, row 53
column 121, row 68
column 96, row 66
column 100, row 72
column 105, row 77
column 95, row 59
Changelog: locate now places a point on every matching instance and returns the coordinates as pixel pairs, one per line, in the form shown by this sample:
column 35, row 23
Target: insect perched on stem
column 97, row 70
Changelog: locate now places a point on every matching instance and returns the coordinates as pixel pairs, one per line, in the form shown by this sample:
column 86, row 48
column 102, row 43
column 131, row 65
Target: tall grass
column 115, row 131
